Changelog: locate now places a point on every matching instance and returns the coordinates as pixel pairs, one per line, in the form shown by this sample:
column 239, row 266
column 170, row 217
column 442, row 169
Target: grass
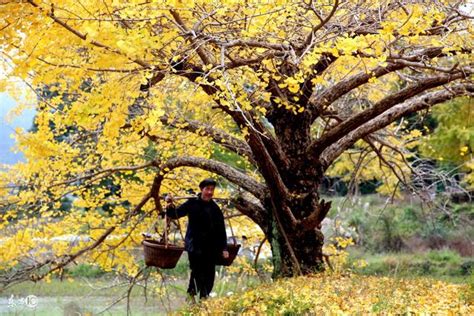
column 80, row 286
column 87, row 279
column 85, row 270
column 87, row 291
column 92, row 290
column 92, row 285
column 442, row 264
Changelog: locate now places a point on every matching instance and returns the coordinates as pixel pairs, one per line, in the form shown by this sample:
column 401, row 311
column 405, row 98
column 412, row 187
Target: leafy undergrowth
column 336, row 293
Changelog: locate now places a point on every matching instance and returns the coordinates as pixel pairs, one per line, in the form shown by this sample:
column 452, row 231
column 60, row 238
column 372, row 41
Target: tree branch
column 386, row 103
column 253, row 210
column 262, row 157
column 242, row 180
column 410, row 106
column 316, row 217
column 206, row 59
column 310, row 37
column 272, row 176
column 319, row 100
column 219, row 136
column 84, row 37
column 107, row 170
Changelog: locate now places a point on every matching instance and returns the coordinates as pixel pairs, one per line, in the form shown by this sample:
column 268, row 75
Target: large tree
column 148, row 92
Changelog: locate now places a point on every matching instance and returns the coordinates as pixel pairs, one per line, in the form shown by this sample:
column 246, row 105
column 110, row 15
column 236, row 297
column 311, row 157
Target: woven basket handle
column 167, row 230
column 164, row 235
column 232, row 231
column 167, row 227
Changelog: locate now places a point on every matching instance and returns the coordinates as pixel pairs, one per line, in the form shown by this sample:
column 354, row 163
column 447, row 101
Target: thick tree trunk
column 294, row 252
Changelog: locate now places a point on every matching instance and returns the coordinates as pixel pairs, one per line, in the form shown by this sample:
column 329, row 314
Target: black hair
column 206, row 182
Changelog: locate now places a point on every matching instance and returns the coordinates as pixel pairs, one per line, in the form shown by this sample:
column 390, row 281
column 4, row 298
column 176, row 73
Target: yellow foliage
column 97, row 131
column 363, row 164
column 343, row 294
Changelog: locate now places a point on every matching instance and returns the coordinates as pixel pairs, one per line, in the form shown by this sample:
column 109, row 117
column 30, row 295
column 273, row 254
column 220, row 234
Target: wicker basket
column 159, row 254
column 233, row 249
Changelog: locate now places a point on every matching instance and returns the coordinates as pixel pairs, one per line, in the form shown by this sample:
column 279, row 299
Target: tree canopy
column 137, row 98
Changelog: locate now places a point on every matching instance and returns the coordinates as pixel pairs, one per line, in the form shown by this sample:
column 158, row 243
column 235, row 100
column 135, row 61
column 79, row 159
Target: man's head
column 207, row 187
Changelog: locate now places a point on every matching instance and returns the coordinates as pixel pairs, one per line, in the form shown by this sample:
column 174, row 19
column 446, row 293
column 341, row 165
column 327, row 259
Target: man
column 205, row 239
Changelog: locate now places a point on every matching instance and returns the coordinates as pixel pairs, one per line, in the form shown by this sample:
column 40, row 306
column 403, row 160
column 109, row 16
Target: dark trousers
column 203, row 270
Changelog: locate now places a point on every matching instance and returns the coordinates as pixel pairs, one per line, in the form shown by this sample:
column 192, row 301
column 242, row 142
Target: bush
column 444, row 255
column 442, row 264
column 86, row 270
column 467, row 268
column 406, row 225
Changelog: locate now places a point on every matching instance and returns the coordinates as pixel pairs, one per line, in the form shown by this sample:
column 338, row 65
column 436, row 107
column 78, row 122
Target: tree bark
column 287, row 245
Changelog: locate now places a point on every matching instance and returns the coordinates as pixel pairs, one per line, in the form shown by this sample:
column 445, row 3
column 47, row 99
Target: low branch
column 59, row 263
column 256, row 212
column 56, row 264
column 241, row 179
column 247, row 207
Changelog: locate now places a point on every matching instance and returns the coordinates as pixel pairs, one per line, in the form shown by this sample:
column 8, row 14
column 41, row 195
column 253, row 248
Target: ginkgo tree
column 144, row 93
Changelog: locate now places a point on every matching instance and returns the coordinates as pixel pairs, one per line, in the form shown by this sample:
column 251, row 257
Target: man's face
column 207, row 192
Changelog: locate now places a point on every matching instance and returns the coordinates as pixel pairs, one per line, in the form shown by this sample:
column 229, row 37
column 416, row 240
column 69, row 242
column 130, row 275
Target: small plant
column 86, row 270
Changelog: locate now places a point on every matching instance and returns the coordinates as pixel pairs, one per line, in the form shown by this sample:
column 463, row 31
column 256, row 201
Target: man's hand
column 169, row 200
column 225, row 254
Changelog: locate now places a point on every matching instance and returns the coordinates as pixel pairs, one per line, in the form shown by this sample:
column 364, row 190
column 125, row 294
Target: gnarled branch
column 386, row 103
column 251, row 209
column 320, row 100
column 233, row 175
column 410, row 106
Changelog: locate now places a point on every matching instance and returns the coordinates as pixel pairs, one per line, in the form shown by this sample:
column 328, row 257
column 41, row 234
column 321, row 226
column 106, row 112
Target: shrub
column 86, row 270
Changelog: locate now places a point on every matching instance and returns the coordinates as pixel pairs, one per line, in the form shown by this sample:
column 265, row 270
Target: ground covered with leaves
column 341, row 294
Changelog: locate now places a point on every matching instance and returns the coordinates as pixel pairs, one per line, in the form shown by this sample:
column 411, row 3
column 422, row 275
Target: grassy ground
column 93, row 290
column 443, row 264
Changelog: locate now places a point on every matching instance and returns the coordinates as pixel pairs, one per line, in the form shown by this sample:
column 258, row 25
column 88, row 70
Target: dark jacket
column 206, row 229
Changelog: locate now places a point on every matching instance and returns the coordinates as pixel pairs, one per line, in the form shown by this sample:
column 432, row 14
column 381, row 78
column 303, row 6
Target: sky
column 7, row 128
